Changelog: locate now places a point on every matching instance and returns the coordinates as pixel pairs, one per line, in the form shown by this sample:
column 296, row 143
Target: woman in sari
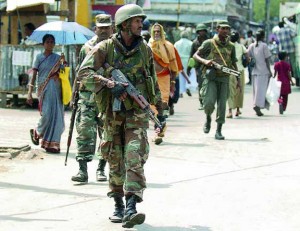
column 51, row 123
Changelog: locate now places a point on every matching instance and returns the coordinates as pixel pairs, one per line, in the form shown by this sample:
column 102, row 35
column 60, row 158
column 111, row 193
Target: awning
column 17, row 4
column 185, row 18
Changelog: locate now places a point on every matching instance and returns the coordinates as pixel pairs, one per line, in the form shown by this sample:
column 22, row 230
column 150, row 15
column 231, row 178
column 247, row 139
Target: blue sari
column 51, row 123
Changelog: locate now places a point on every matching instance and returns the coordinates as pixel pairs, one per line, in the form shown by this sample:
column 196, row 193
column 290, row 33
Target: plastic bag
column 273, row 91
column 65, row 85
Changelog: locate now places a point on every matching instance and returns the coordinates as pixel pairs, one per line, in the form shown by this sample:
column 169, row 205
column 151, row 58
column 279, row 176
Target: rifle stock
column 72, row 121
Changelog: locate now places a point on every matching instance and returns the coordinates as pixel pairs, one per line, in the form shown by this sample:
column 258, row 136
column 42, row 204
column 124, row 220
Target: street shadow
column 156, row 185
column 146, row 227
column 197, row 145
column 4, row 185
column 234, row 171
column 20, row 219
column 262, row 140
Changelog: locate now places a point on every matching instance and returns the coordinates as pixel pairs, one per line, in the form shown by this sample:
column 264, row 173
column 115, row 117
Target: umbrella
column 65, row 33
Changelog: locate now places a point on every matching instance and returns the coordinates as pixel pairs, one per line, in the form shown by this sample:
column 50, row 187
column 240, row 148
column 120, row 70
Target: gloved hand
column 118, row 90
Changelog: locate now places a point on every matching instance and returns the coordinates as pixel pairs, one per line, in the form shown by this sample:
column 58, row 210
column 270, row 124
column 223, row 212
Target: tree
column 259, row 9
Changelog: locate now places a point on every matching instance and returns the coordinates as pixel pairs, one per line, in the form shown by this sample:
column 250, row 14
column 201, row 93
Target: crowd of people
column 160, row 71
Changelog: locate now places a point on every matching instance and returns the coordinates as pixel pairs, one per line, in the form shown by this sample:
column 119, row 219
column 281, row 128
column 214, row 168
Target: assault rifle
column 226, row 70
column 119, row 77
column 72, row 121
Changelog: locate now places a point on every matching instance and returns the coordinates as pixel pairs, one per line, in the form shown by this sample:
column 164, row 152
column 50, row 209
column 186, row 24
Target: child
column 283, row 69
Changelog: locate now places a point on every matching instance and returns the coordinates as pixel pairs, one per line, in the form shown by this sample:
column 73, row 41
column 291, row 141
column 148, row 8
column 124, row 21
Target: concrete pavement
column 248, row 182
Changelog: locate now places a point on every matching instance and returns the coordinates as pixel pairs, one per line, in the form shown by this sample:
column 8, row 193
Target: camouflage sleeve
column 93, row 61
column 81, row 57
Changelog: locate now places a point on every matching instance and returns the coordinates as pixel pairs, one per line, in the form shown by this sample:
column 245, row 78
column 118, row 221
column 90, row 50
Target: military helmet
column 128, row 11
column 200, row 26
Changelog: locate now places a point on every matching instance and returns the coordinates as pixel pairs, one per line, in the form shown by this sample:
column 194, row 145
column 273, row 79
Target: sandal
column 34, row 137
column 238, row 113
column 229, row 116
column 52, row 150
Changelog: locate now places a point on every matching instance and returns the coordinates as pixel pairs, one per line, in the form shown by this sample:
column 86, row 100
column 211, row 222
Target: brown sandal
column 34, row 137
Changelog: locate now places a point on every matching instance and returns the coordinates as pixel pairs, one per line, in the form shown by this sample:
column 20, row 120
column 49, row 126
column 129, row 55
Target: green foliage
column 259, row 9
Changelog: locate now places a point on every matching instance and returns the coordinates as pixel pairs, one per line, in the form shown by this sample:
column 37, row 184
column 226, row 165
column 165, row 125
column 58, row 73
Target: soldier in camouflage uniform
column 87, row 120
column 201, row 30
column 125, row 142
column 215, row 87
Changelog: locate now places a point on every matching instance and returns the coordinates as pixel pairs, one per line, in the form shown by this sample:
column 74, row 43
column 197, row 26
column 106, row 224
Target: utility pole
column 267, row 20
column 178, row 14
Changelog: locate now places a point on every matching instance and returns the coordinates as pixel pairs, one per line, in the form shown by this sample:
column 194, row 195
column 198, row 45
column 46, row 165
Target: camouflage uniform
column 87, row 119
column 124, row 143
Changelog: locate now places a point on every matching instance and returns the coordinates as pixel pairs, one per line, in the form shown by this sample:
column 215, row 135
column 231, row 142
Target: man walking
column 201, row 30
column 87, row 120
column 166, row 67
column 215, row 88
column 124, row 143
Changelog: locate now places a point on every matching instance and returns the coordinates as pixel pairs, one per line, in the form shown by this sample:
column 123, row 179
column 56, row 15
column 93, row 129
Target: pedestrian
column 28, row 30
column 49, row 91
column 282, row 69
column 236, row 94
column 88, row 121
column 250, row 39
column 183, row 46
column 215, row 87
column 201, row 30
column 166, row 67
column 261, row 73
column 285, row 36
column 124, row 144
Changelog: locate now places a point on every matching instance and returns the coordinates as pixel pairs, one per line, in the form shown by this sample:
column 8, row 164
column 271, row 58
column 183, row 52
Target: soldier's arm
column 93, row 61
column 202, row 52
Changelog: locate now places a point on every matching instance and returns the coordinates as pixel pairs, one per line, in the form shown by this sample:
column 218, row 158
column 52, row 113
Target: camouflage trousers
column 87, row 125
column 125, row 146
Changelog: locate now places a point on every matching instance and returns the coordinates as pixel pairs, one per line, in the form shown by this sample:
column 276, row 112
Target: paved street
column 248, row 182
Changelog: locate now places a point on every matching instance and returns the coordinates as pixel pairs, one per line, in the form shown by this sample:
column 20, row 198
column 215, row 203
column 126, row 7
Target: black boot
column 219, row 135
column 131, row 216
column 119, row 210
column 82, row 175
column 206, row 127
column 100, row 175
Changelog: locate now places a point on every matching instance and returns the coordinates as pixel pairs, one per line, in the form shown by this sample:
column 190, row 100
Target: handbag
column 244, row 60
column 65, row 85
column 273, row 91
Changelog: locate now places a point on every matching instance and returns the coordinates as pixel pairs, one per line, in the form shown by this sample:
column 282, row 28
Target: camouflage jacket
column 136, row 64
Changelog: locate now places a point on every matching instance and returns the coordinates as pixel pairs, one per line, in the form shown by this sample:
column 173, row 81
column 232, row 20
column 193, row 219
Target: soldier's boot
column 207, row 124
column 131, row 216
column 218, row 134
column 119, row 210
column 82, row 175
column 100, row 174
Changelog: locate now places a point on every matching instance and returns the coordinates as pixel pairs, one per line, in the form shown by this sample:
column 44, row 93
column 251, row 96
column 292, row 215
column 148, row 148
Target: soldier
column 124, row 144
column 215, row 87
column 87, row 120
column 201, row 30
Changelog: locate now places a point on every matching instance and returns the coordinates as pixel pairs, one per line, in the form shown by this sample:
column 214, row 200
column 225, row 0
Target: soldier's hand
column 208, row 63
column 119, row 90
